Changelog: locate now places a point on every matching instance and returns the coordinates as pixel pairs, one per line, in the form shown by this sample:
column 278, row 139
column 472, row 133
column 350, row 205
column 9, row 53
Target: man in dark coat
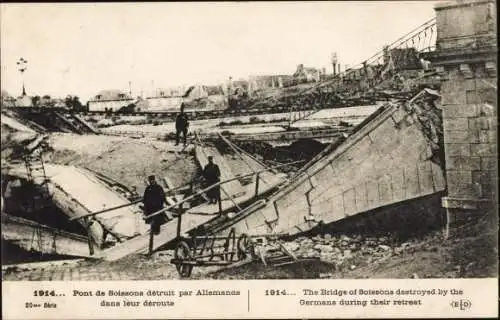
column 154, row 198
column 181, row 126
column 211, row 173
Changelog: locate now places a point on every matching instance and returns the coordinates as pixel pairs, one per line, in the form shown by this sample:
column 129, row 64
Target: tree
column 73, row 103
column 68, row 102
column 77, row 105
column 35, row 100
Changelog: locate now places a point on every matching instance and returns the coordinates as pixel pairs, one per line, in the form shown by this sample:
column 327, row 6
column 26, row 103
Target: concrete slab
column 360, row 111
column 15, row 125
column 77, row 191
column 95, row 196
column 30, row 235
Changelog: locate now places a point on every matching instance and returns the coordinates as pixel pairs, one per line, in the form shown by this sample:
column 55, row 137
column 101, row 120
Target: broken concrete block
column 384, row 247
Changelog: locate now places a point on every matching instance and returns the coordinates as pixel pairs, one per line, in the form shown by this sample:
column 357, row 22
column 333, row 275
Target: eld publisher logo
column 461, row 304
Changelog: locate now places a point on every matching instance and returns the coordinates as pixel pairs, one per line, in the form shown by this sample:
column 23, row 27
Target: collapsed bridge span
column 395, row 155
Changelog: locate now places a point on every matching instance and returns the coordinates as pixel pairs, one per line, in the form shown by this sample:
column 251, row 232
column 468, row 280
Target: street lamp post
column 333, row 59
column 22, row 65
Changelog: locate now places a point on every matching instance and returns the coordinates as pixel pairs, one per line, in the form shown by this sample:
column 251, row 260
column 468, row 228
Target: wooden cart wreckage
column 395, row 155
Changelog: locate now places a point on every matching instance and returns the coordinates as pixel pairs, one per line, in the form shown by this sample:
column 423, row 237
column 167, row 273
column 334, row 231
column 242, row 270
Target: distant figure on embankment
column 181, row 126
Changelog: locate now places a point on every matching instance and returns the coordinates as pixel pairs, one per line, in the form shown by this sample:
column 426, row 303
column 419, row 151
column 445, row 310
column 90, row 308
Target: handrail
column 214, row 185
column 123, row 205
column 398, row 42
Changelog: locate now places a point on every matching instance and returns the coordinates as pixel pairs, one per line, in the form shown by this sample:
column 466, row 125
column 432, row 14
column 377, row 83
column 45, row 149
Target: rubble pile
column 427, row 113
column 349, row 251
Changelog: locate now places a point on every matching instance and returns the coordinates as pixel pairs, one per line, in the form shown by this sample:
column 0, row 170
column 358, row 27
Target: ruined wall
column 466, row 60
column 462, row 23
column 389, row 159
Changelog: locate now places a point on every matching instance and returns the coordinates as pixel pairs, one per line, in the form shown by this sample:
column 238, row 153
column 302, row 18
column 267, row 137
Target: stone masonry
column 465, row 58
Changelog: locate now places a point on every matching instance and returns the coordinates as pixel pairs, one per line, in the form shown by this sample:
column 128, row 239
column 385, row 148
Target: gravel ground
column 471, row 252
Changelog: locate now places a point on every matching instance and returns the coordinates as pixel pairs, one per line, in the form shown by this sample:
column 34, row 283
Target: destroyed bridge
column 431, row 133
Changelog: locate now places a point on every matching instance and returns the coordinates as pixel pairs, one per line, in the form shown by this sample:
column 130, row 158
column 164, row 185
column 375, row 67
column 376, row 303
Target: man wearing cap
column 181, row 126
column 154, row 198
column 211, row 173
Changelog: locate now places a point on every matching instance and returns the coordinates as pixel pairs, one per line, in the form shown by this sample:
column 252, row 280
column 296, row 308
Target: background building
column 112, row 100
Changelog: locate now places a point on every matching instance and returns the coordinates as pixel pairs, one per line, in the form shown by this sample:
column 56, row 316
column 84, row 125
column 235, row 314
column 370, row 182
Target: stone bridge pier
column 465, row 58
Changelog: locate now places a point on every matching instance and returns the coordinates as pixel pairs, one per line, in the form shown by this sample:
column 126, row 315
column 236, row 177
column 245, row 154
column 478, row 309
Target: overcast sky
column 82, row 48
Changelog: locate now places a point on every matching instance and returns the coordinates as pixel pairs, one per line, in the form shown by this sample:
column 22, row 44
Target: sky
column 79, row 49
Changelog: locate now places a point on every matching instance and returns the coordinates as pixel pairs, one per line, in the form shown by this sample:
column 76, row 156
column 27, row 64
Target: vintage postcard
column 249, row 160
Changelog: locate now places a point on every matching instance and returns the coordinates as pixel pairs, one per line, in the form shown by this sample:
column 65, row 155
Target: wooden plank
column 67, row 122
column 85, row 124
column 177, row 197
column 36, row 142
column 140, row 244
column 288, row 252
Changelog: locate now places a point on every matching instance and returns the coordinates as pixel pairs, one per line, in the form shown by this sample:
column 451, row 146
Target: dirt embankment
column 126, row 160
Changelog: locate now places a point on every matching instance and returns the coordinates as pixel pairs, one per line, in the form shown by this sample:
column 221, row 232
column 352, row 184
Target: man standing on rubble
column 181, row 126
column 211, row 173
column 154, row 198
